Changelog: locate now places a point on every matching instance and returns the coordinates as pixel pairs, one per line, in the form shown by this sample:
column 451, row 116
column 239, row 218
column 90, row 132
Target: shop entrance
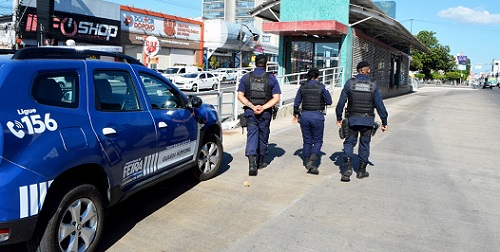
column 302, row 54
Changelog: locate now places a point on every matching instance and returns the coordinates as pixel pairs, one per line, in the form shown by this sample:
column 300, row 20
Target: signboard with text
column 158, row 26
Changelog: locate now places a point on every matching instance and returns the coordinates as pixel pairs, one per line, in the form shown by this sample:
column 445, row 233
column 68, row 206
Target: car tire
column 214, row 86
column 208, row 158
column 194, row 88
column 223, row 78
column 64, row 230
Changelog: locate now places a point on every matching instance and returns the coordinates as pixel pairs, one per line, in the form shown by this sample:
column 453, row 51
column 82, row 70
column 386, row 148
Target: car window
column 209, row 75
column 115, row 91
column 191, row 75
column 57, row 89
column 203, row 76
column 161, row 94
column 183, row 70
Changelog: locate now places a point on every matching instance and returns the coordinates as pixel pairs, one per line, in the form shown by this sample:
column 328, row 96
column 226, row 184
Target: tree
column 439, row 59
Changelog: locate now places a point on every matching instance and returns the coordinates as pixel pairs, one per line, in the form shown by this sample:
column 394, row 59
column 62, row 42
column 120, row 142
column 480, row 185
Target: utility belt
column 320, row 110
column 361, row 114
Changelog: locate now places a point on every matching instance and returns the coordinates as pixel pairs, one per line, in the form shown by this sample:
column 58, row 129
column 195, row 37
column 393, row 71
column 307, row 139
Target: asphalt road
column 434, row 186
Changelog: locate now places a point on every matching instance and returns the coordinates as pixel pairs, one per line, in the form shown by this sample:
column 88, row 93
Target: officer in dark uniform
column 362, row 97
column 258, row 91
column 314, row 97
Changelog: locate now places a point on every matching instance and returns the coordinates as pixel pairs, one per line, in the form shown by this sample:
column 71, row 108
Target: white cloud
column 470, row 16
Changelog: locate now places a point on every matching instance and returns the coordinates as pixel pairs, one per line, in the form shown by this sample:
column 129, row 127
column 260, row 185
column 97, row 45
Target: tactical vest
column 360, row 98
column 312, row 97
column 257, row 88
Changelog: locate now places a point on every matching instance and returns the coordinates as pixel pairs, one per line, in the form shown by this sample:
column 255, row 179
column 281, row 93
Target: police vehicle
column 83, row 130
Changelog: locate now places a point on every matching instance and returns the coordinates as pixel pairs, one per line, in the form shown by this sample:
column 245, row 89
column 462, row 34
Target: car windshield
column 190, row 75
column 171, row 70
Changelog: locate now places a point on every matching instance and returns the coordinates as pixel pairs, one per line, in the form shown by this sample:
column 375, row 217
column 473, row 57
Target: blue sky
column 471, row 27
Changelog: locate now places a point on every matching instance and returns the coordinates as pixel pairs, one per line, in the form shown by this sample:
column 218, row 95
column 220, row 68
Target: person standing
column 313, row 97
column 258, row 91
column 362, row 96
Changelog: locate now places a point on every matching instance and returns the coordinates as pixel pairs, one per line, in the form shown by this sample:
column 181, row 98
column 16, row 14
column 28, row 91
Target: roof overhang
column 319, row 28
column 364, row 15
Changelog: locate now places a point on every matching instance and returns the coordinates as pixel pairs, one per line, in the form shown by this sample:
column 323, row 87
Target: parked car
column 489, row 83
column 195, row 81
column 172, row 72
column 68, row 151
column 225, row 74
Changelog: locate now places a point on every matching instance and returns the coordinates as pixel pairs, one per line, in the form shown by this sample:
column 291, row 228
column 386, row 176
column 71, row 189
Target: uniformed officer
column 258, row 91
column 362, row 96
column 313, row 97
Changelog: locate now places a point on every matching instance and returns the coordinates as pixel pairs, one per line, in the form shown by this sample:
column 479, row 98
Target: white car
column 225, row 74
column 195, row 81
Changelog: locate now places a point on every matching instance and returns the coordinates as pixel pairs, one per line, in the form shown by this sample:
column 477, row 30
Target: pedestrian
column 310, row 106
column 258, row 91
column 362, row 96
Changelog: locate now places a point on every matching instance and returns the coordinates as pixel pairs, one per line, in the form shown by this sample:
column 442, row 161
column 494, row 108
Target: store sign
column 74, row 26
column 160, row 27
column 151, row 46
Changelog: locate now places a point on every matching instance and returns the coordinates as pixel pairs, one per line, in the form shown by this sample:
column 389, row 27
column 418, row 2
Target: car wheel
column 194, row 88
column 77, row 223
column 214, row 86
column 209, row 158
column 223, row 78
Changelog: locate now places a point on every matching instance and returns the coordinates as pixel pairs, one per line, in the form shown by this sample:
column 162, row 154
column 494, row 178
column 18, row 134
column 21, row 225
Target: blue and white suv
column 83, row 130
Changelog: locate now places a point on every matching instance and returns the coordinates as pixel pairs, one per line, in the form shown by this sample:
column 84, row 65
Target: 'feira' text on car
column 82, row 131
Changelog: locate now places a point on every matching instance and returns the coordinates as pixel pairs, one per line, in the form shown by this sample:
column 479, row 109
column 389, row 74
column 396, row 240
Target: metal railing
column 226, row 102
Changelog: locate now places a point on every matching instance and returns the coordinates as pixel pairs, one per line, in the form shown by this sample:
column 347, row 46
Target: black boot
column 252, row 166
column 311, row 164
column 346, row 175
column 306, row 161
column 261, row 163
column 362, row 173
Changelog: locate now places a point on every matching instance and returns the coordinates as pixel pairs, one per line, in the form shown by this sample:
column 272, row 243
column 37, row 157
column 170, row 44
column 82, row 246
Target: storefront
column 346, row 32
column 72, row 24
column 161, row 40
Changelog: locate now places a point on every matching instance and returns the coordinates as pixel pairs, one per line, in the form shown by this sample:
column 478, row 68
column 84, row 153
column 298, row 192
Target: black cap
column 260, row 60
column 362, row 64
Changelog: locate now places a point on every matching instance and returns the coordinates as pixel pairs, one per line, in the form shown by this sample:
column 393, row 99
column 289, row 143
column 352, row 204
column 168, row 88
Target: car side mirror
column 194, row 101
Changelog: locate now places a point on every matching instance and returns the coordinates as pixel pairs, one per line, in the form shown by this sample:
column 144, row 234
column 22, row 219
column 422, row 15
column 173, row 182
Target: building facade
column 341, row 33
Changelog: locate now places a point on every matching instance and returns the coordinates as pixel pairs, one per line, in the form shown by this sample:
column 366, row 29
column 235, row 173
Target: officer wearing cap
column 310, row 104
column 362, row 96
column 258, row 91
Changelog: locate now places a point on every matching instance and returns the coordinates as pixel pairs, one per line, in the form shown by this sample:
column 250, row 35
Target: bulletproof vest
column 312, row 97
column 360, row 98
column 257, row 88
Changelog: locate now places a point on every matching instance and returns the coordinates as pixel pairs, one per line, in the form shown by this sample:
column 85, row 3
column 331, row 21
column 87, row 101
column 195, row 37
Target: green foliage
column 214, row 63
column 453, row 75
column 419, row 75
column 437, row 76
column 439, row 59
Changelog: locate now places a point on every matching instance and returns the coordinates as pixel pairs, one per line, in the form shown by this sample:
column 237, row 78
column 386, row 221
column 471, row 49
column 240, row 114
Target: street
column 433, row 186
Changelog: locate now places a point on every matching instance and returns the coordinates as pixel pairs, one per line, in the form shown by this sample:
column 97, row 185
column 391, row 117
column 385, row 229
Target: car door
column 177, row 128
column 204, row 83
column 121, row 123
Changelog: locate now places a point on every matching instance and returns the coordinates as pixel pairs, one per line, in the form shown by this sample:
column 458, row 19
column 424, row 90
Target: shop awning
column 364, row 15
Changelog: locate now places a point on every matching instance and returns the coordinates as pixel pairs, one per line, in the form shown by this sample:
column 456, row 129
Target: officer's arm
column 276, row 98
column 244, row 100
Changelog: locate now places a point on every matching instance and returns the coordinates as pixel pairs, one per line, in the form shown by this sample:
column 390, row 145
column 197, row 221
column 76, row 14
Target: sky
column 471, row 27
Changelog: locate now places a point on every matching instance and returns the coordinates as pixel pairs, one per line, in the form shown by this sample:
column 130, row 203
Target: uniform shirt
column 313, row 114
column 273, row 83
column 362, row 120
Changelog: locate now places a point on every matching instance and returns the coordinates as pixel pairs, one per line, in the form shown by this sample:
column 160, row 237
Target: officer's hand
column 384, row 128
column 294, row 120
column 339, row 123
column 258, row 109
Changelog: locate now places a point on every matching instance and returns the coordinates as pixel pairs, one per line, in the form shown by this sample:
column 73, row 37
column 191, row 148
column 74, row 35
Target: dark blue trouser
column 312, row 135
column 258, row 134
column 365, row 137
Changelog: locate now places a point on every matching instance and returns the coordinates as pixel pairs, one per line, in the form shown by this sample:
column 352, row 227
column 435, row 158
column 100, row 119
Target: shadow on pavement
column 273, row 152
column 125, row 215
